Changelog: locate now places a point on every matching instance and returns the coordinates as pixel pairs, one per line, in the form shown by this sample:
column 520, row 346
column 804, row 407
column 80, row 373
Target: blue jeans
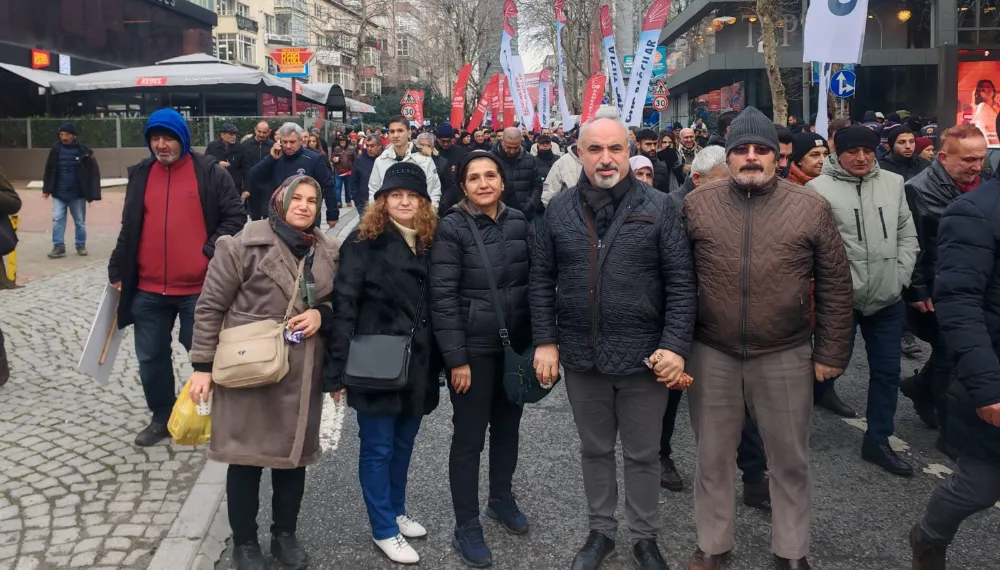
column 78, row 209
column 154, row 324
column 386, row 447
column 345, row 183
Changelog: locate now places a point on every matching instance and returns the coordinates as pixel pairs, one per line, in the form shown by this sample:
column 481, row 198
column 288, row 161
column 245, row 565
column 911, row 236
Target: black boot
column 247, row 556
column 670, row 479
column 647, row 555
column 758, row 495
column 926, row 554
column 285, row 548
column 884, row 456
column 922, row 403
column 831, row 401
column 595, row 552
column 154, row 433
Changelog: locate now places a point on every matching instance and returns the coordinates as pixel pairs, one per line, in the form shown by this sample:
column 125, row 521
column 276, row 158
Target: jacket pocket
column 881, row 218
column 645, row 219
column 857, row 225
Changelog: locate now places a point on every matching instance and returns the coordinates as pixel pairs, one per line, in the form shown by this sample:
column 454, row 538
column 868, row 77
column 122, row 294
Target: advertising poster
column 714, row 101
column 978, row 101
column 736, row 95
column 726, row 98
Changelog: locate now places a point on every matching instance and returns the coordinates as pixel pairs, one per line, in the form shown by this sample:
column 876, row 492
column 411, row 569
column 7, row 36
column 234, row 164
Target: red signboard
column 150, row 81
column 40, row 59
column 291, row 60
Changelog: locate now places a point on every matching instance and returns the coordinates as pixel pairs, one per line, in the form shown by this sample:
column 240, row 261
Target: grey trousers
column 604, row 405
column 777, row 389
column 973, row 487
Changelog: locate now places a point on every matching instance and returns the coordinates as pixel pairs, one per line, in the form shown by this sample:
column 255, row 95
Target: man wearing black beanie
column 877, row 229
column 903, row 158
column 809, row 152
column 647, row 139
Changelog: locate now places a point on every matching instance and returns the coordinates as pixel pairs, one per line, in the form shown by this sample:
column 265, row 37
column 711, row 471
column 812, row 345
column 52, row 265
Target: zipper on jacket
column 857, row 222
column 166, row 233
column 881, row 217
column 595, row 246
column 745, row 293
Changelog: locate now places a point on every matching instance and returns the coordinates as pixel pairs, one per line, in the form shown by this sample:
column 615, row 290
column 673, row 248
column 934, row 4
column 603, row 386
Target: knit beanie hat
column 895, row 132
column 68, row 127
column 751, row 127
column 463, row 164
column 855, row 136
column 805, row 142
column 404, row 176
column 922, row 143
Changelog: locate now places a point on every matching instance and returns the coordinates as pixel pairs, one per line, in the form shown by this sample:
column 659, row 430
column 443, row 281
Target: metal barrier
column 15, row 220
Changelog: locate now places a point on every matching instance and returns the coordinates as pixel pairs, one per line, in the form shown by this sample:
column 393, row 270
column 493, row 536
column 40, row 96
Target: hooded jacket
column 565, row 173
column 522, row 181
column 388, row 158
column 877, row 230
column 905, row 167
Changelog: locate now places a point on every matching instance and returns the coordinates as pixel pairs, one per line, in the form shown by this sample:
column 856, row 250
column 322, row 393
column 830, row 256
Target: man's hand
column 925, row 306
column 547, row 363
column 45, row 196
column 337, row 395
column 667, row 365
column 824, row 372
column 461, row 378
column 276, row 151
column 990, row 414
column 308, row 322
column 117, row 285
column 201, row 387
column 223, row 164
column 245, row 195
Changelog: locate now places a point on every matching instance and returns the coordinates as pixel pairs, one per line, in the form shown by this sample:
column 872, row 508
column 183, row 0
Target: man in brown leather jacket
column 757, row 239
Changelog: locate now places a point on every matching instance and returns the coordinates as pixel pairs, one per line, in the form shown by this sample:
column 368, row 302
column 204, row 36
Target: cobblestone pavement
column 74, row 491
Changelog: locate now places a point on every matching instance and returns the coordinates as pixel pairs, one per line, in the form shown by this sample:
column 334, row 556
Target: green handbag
column 519, row 379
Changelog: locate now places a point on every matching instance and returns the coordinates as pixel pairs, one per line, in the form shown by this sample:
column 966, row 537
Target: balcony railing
column 278, row 39
column 296, row 5
column 246, row 24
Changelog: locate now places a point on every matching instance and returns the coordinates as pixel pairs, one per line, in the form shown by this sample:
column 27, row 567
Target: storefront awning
column 355, row 106
column 39, row 77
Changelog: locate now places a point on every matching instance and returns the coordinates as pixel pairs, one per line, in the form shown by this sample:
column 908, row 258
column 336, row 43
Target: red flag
column 484, row 104
column 593, row 93
column 458, row 97
column 497, row 98
column 419, row 105
column 595, row 49
column 508, row 104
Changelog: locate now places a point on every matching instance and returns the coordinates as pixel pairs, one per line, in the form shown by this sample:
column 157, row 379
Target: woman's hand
column 308, row 322
column 338, row 395
column 201, row 387
column 461, row 379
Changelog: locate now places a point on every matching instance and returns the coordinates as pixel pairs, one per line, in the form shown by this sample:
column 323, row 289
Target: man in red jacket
column 177, row 204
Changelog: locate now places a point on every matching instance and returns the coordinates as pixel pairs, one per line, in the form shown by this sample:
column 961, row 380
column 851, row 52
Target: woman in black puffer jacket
column 466, row 327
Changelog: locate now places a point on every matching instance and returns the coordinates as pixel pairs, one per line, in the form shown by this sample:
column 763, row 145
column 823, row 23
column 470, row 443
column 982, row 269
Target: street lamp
column 873, row 16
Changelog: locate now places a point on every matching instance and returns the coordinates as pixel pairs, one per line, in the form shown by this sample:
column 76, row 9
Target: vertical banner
column 642, row 67
column 835, row 31
column 458, row 97
column 496, row 100
column 592, row 95
column 595, row 50
column 509, row 105
column 419, row 107
column 611, row 55
column 822, row 118
column 484, row 104
column 544, row 98
column 565, row 115
column 514, row 68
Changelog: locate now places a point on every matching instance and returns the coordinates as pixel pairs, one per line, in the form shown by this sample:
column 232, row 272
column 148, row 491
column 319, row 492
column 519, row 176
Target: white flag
column 835, row 31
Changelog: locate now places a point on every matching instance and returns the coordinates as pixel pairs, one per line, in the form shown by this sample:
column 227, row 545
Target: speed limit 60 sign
column 659, row 102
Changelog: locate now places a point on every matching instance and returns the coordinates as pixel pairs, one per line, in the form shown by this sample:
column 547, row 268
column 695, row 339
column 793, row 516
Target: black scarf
column 603, row 203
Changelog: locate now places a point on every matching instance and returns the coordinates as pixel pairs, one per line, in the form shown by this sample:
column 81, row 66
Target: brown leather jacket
column 754, row 255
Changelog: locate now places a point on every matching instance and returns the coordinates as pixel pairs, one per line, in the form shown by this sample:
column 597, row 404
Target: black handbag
column 381, row 362
column 519, row 379
column 8, row 237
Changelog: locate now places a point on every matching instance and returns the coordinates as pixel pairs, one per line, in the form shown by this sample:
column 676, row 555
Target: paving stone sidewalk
column 74, row 491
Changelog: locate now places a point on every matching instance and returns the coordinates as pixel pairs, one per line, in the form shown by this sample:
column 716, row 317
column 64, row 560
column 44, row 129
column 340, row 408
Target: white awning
column 37, row 76
column 355, row 106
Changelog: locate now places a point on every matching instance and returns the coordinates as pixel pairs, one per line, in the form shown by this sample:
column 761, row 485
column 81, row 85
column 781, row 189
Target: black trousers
column 750, row 457
column 484, row 404
column 243, row 497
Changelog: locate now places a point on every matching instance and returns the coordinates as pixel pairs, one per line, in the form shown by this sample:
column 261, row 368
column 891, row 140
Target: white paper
column 105, row 325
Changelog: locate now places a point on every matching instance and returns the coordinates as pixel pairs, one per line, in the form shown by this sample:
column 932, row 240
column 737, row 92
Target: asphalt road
column 860, row 521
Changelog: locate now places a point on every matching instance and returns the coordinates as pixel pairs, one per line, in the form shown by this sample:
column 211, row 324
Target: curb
column 183, row 542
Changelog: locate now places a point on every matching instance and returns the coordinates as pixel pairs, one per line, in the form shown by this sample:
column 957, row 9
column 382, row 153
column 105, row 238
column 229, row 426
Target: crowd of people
column 624, row 260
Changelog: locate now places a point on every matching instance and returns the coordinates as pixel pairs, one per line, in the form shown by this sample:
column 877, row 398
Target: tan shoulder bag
column 254, row 354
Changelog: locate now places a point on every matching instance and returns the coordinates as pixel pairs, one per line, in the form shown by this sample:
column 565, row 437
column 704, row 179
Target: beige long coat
column 274, row 426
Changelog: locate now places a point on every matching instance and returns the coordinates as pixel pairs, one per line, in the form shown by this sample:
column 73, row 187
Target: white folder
column 105, row 337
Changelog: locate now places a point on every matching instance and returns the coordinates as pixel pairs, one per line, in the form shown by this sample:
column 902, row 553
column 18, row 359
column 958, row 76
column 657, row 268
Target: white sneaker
column 398, row 550
column 410, row 528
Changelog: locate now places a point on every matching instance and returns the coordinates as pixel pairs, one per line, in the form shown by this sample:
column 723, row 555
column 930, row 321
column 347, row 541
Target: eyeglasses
column 759, row 150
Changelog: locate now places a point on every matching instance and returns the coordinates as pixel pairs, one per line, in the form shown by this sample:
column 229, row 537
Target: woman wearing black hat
column 381, row 291
column 467, row 328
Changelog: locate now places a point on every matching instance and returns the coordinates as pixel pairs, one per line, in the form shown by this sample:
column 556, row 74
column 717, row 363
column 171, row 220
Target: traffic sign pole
column 294, row 82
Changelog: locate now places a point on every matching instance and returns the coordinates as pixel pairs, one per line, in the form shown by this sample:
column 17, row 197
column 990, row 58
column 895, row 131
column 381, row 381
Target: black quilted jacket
column 462, row 311
column 618, row 299
column 522, row 181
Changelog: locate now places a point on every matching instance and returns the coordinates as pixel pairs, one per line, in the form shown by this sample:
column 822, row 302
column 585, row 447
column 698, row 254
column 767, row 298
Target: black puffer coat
column 905, row 167
column 967, row 305
column 376, row 291
column 522, row 181
column 462, row 312
column 617, row 299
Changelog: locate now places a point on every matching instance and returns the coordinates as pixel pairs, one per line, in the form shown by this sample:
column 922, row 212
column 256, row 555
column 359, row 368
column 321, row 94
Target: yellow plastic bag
column 185, row 425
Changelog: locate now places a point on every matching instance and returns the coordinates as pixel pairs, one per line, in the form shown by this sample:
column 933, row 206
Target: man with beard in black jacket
column 522, row 181
column 545, row 156
column 646, row 140
column 903, row 160
column 232, row 156
column 258, row 147
column 956, row 171
column 448, row 150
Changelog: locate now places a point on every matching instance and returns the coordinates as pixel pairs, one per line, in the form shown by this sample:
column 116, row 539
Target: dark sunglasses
column 759, row 150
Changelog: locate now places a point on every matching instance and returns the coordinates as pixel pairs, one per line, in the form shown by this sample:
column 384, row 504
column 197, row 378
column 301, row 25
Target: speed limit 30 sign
column 659, row 102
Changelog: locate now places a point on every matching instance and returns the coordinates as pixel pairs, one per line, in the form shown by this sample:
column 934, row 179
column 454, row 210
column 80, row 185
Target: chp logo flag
column 513, row 68
column 544, row 97
column 489, row 94
column 458, row 96
column 642, row 68
column 611, row 54
column 593, row 93
column 567, row 117
column 834, row 33
column 509, row 110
